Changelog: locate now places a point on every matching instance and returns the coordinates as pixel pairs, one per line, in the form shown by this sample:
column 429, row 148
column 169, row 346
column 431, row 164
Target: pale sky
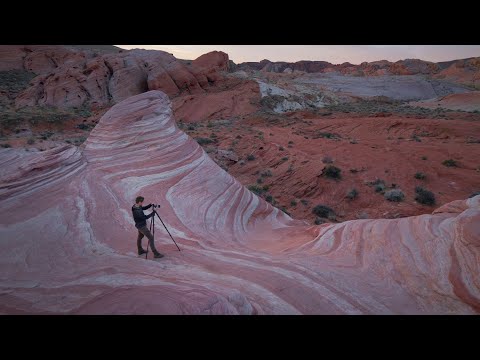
column 335, row 54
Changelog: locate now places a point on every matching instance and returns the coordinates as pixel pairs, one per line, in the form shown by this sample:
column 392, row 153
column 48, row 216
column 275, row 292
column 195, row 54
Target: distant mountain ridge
column 464, row 71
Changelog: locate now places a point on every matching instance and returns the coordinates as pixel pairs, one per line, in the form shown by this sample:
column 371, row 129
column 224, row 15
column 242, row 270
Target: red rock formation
column 464, row 101
column 69, row 77
column 416, row 66
column 47, row 60
column 39, row 59
column 374, row 68
column 211, row 62
column 74, row 251
column 159, row 79
column 463, row 71
column 11, row 57
column 73, row 78
column 238, row 100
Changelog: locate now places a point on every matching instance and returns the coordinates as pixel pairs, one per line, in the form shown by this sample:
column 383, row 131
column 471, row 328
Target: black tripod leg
column 153, row 232
column 167, row 231
column 148, row 240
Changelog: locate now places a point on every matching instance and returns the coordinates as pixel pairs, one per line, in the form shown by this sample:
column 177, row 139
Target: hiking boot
column 157, row 256
column 141, row 251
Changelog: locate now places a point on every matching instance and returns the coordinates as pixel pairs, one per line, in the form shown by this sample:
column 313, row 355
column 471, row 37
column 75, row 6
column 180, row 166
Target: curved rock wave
column 67, row 240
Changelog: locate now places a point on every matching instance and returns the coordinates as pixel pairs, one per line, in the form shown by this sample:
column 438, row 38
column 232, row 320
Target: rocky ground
column 283, row 159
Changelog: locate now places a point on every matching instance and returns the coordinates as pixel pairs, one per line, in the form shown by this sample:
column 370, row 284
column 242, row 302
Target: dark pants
column 143, row 231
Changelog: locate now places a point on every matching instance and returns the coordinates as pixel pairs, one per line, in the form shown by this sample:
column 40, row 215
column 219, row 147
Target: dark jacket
column 139, row 217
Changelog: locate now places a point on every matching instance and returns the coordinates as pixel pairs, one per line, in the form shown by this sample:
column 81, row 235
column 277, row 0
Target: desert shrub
column 319, row 221
column 304, row 202
column 379, row 185
column 82, row 111
column 204, row 141
column 267, row 173
column 352, row 194
column 34, row 115
column 293, row 203
column 420, row 176
column 474, row 194
column 332, row 172
column 256, row 189
column 394, row 195
column 259, row 180
column 285, row 158
column 450, row 163
column 424, row 158
column 424, row 196
column 281, row 148
column 6, row 145
column 327, row 135
column 323, row 211
column 80, row 140
column 250, row 157
column 83, row 126
column 15, row 81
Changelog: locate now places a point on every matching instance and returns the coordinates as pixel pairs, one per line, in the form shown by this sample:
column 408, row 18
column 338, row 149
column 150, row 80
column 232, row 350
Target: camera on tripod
column 155, row 206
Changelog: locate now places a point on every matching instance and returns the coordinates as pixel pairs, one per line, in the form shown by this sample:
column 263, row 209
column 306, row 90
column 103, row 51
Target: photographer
column 141, row 225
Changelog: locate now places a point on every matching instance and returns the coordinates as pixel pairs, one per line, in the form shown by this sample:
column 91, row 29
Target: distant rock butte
column 72, row 250
column 464, row 71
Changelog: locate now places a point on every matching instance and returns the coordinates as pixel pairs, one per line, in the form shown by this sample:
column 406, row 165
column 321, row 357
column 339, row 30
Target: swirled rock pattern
column 67, row 240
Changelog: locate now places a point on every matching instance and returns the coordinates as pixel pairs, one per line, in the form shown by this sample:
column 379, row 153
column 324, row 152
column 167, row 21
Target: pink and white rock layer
column 67, row 240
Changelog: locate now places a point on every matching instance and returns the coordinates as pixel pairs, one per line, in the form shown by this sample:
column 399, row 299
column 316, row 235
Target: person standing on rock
column 141, row 225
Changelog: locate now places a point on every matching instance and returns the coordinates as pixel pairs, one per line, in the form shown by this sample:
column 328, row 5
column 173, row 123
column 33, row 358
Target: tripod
column 152, row 230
